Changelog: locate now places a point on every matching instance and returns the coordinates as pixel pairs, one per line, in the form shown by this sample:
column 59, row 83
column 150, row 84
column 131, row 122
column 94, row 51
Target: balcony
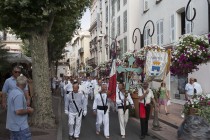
column 93, row 62
column 81, row 51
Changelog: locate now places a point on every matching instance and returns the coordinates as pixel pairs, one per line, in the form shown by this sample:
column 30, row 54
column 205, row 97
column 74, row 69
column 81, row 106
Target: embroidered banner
column 156, row 65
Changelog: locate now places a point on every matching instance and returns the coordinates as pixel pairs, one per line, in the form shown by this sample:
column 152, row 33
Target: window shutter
column 188, row 23
column 172, row 28
column 146, row 5
column 161, row 32
column 158, row 33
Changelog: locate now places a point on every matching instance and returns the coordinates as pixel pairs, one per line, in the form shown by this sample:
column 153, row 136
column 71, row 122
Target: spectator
column 145, row 97
column 164, row 97
column 10, row 84
column 17, row 112
column 197, row 87
column 189, row 89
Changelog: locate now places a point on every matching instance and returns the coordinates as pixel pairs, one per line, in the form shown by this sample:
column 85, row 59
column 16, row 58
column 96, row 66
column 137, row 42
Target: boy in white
column 123, row 101
column 75, row 106
column 100, row 108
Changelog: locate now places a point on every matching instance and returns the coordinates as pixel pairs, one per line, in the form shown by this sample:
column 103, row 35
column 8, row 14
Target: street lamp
column 114, row 49
column 142, row 34
column 190, row 20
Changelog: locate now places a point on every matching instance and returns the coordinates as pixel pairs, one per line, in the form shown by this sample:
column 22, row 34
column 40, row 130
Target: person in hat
column 145, row 97
column 75, row 107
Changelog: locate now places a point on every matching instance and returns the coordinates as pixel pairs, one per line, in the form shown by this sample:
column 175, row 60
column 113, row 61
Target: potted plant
column 190, row 51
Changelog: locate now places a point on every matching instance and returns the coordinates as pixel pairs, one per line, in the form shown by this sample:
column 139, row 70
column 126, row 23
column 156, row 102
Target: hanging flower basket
column 190, row 51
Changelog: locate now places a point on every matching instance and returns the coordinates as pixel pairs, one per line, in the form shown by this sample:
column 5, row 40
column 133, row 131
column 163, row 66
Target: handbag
column 168, row 102
column 142, row 111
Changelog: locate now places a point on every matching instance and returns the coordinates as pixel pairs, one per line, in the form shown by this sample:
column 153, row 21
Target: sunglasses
column 17, row 71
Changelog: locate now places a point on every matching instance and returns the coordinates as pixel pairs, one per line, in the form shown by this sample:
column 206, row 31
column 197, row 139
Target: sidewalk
column 37, row 133
column 169, row 123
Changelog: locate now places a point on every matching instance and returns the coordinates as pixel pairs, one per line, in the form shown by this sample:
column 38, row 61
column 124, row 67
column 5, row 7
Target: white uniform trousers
column 76, row 120
column 101, row 117
column 123, row 119
column 91, row 93
column 62, row 92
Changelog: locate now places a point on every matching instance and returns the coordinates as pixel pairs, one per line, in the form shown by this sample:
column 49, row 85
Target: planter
column 135, row 98
column 193, row 111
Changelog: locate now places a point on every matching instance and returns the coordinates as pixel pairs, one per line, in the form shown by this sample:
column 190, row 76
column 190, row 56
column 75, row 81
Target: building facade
column 169, row 18
column 11, row 41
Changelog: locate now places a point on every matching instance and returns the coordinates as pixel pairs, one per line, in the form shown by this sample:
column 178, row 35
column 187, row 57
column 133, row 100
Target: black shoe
column 147, row 134
column 71, row 137
column 142, row 137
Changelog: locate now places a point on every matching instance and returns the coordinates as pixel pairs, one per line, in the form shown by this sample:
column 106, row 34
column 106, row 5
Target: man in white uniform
column 122, row 101
column 75, row 106
column 100, row 107
column 62, row 83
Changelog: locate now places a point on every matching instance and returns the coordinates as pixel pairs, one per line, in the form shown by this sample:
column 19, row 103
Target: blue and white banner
column 156, row 65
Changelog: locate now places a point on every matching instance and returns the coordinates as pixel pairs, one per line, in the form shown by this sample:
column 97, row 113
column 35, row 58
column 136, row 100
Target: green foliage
column 26, row 48
column 28, row 16
column 4, row 65
column 205, row 113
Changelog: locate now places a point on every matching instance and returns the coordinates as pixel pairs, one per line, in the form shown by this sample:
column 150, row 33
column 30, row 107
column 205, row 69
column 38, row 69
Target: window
column 118, row 5
column 172, row 28
column 160, row 32
column 125, row 21
column 118, row 25
column 107, row 12
column 121, row 48
column 125, row 45
column 146, row 5
column 182, row 14
column 188, row 26
column 100, row 4
column 113, row 29
column 147, row 38
column 113, row 8
column 124, row 2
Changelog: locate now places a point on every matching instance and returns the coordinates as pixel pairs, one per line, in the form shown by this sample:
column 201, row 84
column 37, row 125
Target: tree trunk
column 43, row 114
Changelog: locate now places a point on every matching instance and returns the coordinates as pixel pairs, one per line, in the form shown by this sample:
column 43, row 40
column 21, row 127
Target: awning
column 18, row 58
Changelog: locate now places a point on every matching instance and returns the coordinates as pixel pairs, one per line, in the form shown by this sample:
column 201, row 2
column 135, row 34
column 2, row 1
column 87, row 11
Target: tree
column 60, row 36
column 33, row 20
column 25, row 47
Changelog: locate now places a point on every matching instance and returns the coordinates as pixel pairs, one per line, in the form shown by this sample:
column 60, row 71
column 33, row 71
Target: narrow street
column 88, row 127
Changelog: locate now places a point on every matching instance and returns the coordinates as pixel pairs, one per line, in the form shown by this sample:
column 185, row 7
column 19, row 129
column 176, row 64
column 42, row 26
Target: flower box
column 193, row 111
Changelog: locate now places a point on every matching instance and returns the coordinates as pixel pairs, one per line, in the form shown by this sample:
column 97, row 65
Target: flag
column 113, row 81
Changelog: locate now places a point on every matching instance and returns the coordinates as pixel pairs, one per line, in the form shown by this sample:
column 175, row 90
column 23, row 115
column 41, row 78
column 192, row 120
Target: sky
column 85, row 21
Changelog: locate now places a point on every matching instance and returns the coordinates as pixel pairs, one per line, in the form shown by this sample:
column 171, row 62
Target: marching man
column 100, row 108
column 123, row 100
column 75, row 106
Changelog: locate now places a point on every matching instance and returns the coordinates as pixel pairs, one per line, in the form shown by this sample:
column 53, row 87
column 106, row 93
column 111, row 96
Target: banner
column 157, row 62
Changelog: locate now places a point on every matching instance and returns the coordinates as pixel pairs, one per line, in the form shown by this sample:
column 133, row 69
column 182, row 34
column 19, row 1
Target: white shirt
column 198, row 88
column 148, row 97
column 68, row 87
column 120, row 99
column 189, row 89
column 98, row 101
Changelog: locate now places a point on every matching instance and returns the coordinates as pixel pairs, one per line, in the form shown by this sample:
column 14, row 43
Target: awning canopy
column 18, row 58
